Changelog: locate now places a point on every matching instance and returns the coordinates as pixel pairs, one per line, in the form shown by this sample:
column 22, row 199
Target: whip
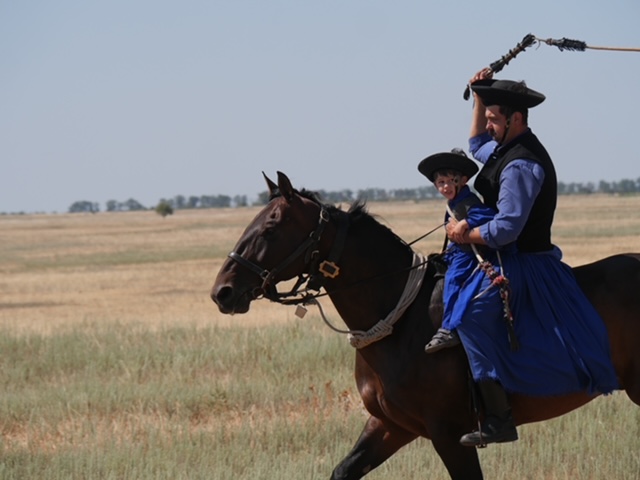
column 562, row 44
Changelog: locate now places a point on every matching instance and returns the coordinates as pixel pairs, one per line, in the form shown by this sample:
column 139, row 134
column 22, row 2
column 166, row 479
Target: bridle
column 328, row 268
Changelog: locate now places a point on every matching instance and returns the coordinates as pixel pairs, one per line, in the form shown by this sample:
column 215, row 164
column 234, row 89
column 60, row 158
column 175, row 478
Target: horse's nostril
column 223, row 294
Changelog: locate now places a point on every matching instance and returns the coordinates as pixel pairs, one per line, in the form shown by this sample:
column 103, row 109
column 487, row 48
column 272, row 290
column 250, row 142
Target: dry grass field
column 63, row 270
column 130, row 291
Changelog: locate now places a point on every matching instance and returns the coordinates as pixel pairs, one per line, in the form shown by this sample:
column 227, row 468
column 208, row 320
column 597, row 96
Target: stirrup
column 442, row 339
column 491, row 432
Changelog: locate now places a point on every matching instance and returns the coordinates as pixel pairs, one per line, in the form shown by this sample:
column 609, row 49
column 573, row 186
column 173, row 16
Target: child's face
column 449, row 185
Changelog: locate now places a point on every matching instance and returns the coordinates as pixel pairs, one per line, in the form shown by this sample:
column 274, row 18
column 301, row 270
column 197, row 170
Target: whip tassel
column 580, row 46
column 502, row 283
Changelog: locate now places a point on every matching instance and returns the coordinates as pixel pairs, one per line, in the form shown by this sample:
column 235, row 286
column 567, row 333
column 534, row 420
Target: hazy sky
column 122, row 99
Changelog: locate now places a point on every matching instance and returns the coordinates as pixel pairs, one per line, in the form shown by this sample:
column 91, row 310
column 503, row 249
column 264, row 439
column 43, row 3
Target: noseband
column 328, row 268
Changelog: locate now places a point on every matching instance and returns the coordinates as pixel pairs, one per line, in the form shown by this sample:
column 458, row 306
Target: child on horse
column 450, row 173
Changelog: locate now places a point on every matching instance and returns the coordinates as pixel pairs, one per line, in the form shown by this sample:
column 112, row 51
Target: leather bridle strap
column 266, row 275
column 329, row 266
column 251, row 266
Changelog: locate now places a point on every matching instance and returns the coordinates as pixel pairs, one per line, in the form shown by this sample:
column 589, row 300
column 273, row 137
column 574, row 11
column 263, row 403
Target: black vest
column 536, row 234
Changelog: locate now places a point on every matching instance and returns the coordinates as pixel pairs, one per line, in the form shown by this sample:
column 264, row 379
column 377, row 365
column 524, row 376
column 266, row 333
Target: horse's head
column 279, row 244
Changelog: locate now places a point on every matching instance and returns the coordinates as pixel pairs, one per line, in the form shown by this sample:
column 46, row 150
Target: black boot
column 498, row 426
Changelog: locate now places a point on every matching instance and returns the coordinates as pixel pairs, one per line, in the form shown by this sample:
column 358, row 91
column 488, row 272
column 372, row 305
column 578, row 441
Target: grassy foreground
column 223, row 403
column 116, row 365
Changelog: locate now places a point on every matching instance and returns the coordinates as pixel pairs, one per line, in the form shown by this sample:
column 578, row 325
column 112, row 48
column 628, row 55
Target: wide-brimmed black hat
column 507, row 93
column 455, row 160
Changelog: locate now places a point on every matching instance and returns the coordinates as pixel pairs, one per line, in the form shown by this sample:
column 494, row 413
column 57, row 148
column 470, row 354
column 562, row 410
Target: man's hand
column 483, row 74
column 456, row 230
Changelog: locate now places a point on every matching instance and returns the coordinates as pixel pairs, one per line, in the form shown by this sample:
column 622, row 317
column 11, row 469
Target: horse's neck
column 370, row 284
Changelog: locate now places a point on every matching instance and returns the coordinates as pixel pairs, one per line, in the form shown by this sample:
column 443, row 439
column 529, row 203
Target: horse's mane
column 358, row 212
column 358, row 215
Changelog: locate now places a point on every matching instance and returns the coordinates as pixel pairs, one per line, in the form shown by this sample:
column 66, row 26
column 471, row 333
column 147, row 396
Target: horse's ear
column 284, row 184
column 273, row 188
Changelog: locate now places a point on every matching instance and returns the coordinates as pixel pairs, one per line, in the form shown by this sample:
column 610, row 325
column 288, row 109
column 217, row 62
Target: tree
column 84, row 206
column 180, row 201
column 193, row 202
column 263, row 198
column 374, row 194
column 240, row 201
column 132, row 205
column 164, row 208
column 604, row 187
column 626, row 186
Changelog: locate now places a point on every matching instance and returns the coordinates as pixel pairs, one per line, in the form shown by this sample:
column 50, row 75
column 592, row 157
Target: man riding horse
column 563, row 343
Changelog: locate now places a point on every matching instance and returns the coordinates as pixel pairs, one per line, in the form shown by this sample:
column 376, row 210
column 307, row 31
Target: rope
column 384, row 327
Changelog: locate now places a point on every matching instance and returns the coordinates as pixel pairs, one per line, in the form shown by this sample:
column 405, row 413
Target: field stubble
column 117, row 365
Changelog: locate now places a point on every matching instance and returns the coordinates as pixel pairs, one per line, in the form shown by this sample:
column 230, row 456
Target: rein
column 427, row 234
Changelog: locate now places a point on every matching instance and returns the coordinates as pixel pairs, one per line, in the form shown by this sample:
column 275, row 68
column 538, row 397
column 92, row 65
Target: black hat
column 455, row 160
column 507, row 93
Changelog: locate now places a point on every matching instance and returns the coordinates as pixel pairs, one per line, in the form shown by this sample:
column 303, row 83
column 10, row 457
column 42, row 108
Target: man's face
column 496, row 122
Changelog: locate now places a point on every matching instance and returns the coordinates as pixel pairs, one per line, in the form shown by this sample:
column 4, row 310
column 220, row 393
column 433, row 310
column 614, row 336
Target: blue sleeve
column 481, row 146
column 520, row 184
column 479, row 215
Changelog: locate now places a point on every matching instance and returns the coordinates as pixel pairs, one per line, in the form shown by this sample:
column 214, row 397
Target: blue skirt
column 564, row 345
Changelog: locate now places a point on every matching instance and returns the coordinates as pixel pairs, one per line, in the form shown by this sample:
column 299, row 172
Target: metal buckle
column 329, row 269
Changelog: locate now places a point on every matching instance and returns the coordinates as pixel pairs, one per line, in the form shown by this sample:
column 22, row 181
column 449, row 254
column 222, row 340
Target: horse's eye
column 268, row 232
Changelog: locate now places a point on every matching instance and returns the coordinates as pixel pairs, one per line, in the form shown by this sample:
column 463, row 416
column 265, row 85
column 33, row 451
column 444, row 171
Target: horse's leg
column 462, row 463
column 376, row 444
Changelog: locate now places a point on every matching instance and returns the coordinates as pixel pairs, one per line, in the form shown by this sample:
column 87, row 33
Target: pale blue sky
column 104, row 100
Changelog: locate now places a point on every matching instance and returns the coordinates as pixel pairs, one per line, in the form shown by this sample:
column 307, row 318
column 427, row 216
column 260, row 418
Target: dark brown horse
column 364, row 267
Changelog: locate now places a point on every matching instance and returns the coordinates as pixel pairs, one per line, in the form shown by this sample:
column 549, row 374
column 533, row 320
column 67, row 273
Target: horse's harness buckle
column 329, row 269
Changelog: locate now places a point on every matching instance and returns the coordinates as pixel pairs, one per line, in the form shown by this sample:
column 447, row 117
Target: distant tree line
column 180, row 202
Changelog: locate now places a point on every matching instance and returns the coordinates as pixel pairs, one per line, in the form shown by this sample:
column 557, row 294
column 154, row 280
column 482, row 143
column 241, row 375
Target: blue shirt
column 520, row 184
column 478, row 214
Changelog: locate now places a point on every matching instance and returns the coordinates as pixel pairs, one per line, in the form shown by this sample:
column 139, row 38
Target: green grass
column 119, row 402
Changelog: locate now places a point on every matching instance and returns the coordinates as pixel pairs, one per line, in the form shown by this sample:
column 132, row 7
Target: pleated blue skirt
column 564, row 346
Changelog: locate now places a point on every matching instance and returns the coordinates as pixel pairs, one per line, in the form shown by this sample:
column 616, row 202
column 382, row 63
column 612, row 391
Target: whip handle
column 498, row 65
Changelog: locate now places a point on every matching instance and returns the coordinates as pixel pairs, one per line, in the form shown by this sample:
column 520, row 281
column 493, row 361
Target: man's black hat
column 455, row 160
column 507, row 93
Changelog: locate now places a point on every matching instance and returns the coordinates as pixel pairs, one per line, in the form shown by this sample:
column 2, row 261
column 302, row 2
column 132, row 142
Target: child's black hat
column 455, row 160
